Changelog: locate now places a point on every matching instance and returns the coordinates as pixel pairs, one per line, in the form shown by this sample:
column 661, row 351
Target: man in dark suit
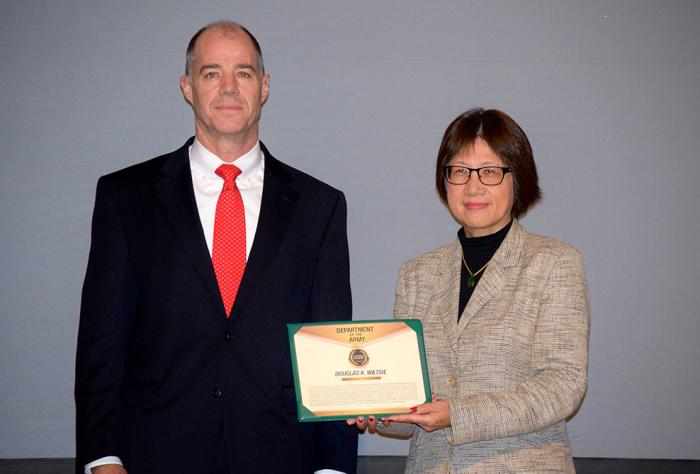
column 199, row 259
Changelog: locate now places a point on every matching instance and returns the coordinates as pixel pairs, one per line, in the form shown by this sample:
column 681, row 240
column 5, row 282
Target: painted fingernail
column 414, row 409
column 371, row 418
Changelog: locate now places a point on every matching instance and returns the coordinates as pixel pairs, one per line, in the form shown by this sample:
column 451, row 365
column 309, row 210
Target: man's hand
column 109, row 469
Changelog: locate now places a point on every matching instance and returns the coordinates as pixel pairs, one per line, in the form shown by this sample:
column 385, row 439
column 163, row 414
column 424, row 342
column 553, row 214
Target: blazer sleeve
column 403, row 308
column 105, row 317
column 335, row 442
column 559, row 360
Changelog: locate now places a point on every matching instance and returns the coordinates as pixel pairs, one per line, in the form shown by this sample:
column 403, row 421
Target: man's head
column 225, row 26
column 225, row 84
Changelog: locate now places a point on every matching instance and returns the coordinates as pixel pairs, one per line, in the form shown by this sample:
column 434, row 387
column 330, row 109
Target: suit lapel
column 175, row 192
column 495, row 276
column 278, row 201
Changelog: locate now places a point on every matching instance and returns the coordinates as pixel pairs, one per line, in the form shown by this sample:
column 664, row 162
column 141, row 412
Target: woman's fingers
column 363, row 423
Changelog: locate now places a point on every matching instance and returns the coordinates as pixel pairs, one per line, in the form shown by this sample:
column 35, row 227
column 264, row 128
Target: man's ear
column 265, row 90
column 186, row 88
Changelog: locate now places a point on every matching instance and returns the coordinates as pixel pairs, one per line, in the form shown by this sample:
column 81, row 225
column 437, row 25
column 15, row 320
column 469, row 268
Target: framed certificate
column 344, row 369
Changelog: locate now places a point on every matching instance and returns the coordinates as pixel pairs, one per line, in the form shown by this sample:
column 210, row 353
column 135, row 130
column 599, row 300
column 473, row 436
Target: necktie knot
column 228, row 173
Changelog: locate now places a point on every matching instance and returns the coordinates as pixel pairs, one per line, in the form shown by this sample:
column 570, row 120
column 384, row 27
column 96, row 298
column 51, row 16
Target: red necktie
column 228, row 249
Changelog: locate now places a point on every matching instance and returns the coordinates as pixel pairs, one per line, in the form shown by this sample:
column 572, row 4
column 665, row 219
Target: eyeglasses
column 488, row 175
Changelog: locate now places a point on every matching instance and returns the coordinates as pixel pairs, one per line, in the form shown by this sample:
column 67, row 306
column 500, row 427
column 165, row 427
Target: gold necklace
column 471, row 281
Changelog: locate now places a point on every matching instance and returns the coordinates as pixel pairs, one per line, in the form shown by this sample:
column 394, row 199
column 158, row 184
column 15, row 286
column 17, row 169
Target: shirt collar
column 205, row 163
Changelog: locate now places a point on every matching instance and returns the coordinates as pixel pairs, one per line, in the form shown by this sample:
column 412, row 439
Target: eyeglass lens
column 489, row 176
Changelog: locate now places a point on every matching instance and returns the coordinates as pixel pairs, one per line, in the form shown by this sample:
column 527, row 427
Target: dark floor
column 395, row 465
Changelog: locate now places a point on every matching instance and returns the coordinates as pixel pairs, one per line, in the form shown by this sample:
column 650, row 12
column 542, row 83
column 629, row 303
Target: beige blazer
column 513, row 368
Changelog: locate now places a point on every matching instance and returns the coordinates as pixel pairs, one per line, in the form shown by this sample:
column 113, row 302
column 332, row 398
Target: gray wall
column 361, row 92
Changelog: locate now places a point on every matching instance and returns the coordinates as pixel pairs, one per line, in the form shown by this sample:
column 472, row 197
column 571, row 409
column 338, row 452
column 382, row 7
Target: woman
column 505, row 317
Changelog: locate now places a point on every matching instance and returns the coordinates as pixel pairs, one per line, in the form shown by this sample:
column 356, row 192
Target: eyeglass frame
column 505, row 169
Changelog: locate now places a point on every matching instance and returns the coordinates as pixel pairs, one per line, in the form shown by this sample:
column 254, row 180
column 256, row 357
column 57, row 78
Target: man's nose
column 229, row 85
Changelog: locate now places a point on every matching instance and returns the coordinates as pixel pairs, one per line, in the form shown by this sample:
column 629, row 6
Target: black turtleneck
column 477, row 251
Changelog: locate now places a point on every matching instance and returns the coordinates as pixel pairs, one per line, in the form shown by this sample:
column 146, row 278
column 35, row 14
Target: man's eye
column 244, row 74
column 210, row 74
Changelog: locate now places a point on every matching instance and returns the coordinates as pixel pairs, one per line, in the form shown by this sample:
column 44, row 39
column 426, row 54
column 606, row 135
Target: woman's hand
column 369, row 423
column 429, row 416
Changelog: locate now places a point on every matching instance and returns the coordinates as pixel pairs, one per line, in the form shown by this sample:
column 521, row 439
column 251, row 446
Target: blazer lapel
column 446, row 298
column 495, row 276
column 175, row 192
column 278, row 201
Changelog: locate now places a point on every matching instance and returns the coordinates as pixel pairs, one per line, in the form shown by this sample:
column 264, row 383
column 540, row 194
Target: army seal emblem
column 358, row 357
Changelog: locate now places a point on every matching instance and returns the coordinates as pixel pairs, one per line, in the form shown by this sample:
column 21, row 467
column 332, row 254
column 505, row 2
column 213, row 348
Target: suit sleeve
column 331, row 299
column 335, row 442
column 559, row 361
column 105, row 318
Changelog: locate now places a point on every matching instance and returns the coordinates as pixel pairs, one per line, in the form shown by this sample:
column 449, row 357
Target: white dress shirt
column 207, row 187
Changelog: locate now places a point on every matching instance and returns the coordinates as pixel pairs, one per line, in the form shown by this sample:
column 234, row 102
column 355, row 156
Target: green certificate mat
column 344, row 369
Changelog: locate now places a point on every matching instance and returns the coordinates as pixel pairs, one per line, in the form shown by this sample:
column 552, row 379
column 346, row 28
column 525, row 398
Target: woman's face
column 482, row 210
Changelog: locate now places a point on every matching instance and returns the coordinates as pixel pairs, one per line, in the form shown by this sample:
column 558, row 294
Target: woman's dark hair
column 506, row 139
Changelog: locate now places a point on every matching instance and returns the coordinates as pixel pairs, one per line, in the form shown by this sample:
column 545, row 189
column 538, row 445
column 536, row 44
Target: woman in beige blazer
column 505, row 315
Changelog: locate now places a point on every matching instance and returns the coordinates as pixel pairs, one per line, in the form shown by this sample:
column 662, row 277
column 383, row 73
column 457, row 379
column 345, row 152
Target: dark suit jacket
column 162, row 377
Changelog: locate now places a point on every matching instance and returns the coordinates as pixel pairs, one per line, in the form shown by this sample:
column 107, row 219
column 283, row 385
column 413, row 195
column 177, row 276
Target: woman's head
column 486, row 138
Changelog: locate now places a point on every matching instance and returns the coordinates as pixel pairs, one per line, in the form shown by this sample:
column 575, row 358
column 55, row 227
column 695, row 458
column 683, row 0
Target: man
column 183, row 362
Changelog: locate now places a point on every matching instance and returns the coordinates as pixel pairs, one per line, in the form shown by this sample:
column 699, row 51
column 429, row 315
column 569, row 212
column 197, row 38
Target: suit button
column 227, row 336
column 453, row 380
column 217, row 393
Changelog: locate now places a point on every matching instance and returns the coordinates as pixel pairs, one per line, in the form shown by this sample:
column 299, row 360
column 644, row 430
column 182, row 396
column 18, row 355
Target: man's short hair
column 225, row 27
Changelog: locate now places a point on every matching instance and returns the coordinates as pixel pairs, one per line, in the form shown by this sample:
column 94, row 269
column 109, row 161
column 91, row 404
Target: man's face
column 225, row 87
